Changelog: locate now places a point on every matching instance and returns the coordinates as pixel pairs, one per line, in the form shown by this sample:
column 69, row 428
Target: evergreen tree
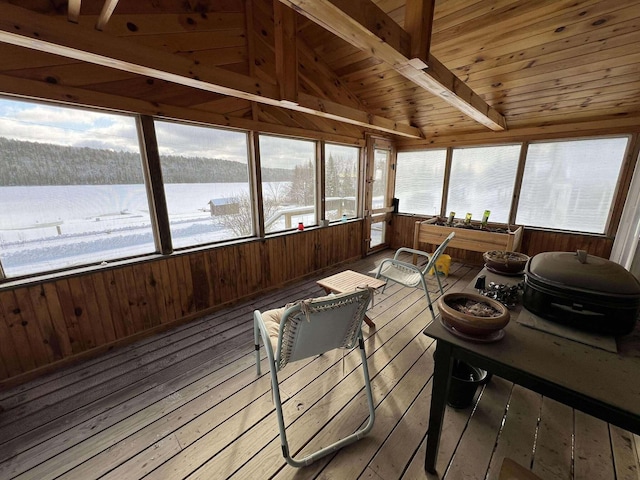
column 302, row 189
column 31, row 163
column 332, row 178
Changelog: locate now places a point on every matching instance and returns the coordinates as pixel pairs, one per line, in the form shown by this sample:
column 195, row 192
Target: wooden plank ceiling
column 520, row 64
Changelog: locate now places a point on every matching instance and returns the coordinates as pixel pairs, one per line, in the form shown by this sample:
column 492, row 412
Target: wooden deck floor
column 188, row 404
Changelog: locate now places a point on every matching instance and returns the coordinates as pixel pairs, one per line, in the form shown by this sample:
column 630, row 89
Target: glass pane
column 570, row 185
column 380, row 162
column 71, row 188
column 377, row 234
column 419, row 180
column 341, row 181
column 206, row 182
column 482, row 178
column 288, row 182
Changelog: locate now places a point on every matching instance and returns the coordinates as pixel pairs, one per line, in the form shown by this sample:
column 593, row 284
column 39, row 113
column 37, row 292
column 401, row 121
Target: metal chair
column 309, row 328
column 410, row 275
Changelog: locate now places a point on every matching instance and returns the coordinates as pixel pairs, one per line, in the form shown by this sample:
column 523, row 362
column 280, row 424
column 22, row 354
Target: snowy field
column 45, row 228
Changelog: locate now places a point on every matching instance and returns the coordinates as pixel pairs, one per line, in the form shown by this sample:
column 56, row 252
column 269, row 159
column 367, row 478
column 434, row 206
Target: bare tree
column 241, row 223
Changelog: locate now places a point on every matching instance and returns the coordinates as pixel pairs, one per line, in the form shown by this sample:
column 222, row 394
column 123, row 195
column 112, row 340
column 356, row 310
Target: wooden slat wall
column 43, row 326
column 533, row 241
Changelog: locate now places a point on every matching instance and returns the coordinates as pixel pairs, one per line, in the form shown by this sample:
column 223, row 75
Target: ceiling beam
column 418, row 22
column 364, row 25
column 105, row 14
column 28, row 29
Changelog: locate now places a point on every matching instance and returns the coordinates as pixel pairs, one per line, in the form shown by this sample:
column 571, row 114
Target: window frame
column 615, row 194
column 56, row 272
column 524, row 148
column 318, row 213
column 162, row 206
column 155, row 193
column 148, row 151
column 445, row 197
column 444, row 186
column 358, row 185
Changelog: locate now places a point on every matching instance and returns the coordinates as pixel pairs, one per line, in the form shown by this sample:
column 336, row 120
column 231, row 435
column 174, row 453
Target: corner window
column 71, row 188
column 569, row 185
column 288, row 169
column 419, row 181
column 483, row 178
column 206, row 182
column 341, row 181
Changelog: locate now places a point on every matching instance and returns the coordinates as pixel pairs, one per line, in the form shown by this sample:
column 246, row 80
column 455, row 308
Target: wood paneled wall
column 46, row 325
column 533, row 241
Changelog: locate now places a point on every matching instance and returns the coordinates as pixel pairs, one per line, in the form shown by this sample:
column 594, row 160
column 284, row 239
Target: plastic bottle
column 485, row 218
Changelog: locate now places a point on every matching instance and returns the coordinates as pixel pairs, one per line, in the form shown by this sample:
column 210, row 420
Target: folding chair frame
column 399, row 266
column 276, row 364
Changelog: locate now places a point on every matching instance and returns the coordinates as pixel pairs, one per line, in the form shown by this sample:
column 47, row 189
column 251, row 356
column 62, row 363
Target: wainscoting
column 48, row 324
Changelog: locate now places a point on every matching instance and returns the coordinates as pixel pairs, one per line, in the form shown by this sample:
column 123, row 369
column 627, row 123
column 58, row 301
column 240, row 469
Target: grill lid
column 582, row 271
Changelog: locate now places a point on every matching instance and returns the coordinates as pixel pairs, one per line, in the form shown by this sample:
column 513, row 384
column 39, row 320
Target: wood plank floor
column 188, row 404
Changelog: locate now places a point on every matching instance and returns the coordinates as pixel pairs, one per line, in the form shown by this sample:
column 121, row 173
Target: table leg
column 368, row 321
column 441, row 379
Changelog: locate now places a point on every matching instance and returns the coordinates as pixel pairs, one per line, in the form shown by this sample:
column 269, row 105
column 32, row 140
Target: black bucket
column 465, row 379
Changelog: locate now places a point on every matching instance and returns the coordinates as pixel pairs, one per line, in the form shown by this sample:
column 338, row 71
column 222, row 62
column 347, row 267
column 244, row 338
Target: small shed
column 224, row 206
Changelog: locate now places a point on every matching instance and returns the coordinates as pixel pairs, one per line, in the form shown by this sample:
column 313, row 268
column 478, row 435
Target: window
column 569, row 185
column 288, row 169
column 71, row 188
column 341, row 181
column 483, row 178
column 206, row 182
column 419, row 181
column 379, row 197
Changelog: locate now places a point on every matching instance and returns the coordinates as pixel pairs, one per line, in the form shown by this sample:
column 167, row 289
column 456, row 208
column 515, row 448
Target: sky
column 78, row 127
column 37, row 122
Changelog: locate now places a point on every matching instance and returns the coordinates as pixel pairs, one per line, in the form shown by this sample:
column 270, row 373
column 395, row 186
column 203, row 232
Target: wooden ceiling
column 523, row 65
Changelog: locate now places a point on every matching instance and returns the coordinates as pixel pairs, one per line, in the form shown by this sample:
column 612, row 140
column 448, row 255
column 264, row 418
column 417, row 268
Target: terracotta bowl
column 505, row 261
column 471, row 324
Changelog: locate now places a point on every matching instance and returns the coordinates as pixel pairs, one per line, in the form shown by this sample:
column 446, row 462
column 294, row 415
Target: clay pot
column 504, row 261
column 471, row 324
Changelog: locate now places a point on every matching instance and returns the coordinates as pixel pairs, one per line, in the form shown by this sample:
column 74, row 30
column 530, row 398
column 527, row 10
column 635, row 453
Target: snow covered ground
column 44, row 228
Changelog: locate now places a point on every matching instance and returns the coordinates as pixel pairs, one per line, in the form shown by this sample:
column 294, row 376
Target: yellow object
column 442, row 265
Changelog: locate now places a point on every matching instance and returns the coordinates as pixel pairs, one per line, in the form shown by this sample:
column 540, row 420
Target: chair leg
column 357, row 435
column 426, row 292
column 256, row 341
column 439, row 283
column 367, row 386
column 383, row 286
column 284, row 443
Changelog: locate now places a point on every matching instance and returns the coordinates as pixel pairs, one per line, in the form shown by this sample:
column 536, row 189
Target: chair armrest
column 412, row 251
column 408, row 265
column 393, row 261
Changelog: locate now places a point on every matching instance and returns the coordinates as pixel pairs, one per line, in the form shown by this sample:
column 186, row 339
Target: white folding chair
column 306, row 329
column 410, row 275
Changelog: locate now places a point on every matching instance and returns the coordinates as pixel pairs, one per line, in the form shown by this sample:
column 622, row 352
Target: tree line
column 31, row 163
